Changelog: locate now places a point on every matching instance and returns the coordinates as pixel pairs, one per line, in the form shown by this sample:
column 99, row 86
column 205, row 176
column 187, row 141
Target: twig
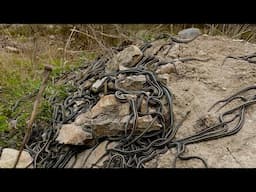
column 119, row 31
column 109, row 51
column 68, row 44
column 239, row 34
column 108, row 35
column 238, row 162
column 155, row 28
column 90, row 36
column 84, row 33
column 47, row 71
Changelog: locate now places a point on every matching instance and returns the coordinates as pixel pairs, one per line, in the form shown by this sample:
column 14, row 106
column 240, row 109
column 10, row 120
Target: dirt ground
column 200, row 84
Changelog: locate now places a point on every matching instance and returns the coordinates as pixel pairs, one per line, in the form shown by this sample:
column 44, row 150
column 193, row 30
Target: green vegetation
column 3, row 122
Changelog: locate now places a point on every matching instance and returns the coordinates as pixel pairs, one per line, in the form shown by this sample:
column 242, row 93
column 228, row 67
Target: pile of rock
column 109, row 116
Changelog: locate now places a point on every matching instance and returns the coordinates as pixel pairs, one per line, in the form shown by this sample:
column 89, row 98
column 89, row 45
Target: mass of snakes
column 133, row 150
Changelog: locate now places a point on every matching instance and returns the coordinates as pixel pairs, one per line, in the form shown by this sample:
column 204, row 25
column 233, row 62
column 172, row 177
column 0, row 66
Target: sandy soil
column 200, row 84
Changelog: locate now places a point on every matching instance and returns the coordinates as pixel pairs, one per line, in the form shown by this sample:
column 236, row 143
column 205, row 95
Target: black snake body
column 133, row 150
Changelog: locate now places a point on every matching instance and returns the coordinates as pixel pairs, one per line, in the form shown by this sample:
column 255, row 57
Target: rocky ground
column 196, row 85
column 200, row 84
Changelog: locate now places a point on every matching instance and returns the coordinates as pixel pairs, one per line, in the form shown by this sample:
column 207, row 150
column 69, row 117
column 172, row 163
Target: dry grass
column 22, row 57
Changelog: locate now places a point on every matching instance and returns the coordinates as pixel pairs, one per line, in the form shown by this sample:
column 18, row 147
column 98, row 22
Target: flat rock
column 9, row 156
column 133, row 82
column 73, row 134
column 98, row 153
column 89, row 157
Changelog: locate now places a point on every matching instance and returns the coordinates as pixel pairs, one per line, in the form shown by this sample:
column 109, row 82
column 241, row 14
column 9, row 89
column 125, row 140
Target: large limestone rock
column 109, row 117
column 127, row 58
column 9, row 156
column 107, row 105
column 72, row 134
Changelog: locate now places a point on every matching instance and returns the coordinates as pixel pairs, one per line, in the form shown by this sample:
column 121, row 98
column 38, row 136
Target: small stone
column 166, row 69
column 12, row 49
column 98, row 84
column 206, row 121
column 13, row 123
column 189, row 33
column 50, row 26
column 72, row 134
column 9, row 156
column 52, row 37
